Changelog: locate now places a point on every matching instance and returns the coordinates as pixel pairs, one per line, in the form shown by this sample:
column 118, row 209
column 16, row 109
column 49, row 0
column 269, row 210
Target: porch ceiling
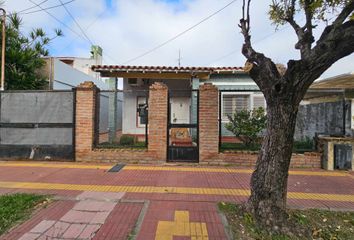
column 161, row 72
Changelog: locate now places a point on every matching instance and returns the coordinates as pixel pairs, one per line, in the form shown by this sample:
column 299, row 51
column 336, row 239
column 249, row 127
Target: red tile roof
column 105, row 68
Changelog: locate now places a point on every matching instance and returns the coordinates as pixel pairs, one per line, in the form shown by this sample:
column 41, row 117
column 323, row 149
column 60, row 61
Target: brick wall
column 248, row 159
column 86, row 106
column 209, row 137
column 208, row 122
column 86, row 132
column 85, row 118
column 158, row 99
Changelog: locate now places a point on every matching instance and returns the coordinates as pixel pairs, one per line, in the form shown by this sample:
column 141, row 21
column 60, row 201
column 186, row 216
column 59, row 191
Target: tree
column 247, row 124
column 24, row 56
column 284, row 91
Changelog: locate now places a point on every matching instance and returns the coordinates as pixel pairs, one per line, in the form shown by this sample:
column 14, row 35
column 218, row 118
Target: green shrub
column 247, row 124
column 127, row 140
column 305, row 145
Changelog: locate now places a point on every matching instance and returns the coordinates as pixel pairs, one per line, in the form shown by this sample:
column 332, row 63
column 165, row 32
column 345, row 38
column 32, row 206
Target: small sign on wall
column 352, row 115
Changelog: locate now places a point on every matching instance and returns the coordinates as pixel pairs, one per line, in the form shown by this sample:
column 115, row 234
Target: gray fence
column 37, row 124
column 328, row 118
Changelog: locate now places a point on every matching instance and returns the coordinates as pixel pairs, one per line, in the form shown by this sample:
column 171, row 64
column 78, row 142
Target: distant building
column 68, row 72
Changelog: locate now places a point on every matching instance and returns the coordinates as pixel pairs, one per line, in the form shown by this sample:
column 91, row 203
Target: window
column 232, row 102
column 259, row 101
column 140, row 100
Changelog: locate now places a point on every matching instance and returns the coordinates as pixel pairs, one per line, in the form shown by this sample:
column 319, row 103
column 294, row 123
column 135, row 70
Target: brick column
column 208, row 122
column 85, row 118
column 158, row 95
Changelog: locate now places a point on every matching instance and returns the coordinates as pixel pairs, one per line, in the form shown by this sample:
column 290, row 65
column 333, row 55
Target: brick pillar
column 158, row 95
column 85, row 118
column 208, row 122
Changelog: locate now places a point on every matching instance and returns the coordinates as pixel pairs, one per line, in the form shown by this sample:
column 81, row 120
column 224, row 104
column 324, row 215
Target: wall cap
column 158, row 86
column 208, row 86
column 87, row 85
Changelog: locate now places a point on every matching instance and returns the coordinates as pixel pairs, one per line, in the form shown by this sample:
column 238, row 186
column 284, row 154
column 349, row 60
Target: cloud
column 128, row 28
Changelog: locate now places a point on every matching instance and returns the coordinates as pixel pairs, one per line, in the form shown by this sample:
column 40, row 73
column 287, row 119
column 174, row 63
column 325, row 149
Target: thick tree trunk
column 269, row 180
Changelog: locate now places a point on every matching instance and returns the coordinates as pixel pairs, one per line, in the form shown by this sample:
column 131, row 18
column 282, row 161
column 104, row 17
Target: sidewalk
column 151, row 202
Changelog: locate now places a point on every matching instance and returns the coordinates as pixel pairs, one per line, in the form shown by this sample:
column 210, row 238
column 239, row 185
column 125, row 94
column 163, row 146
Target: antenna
column 179, row 58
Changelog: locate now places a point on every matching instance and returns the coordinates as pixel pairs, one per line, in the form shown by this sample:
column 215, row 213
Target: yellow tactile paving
column 177, row 190
column 169, row 168
column 181, row 227
column 229, row 170
column 57, row 165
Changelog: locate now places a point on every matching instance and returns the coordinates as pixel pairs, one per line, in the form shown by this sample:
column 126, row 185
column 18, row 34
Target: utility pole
column 2, row 85
column 179, row 58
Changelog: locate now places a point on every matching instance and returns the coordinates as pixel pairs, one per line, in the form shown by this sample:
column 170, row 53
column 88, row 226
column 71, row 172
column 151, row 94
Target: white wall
column 66, row 77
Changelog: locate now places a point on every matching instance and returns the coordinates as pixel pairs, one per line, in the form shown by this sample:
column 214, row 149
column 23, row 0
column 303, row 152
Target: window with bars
column 259, row 101
column 232, row 103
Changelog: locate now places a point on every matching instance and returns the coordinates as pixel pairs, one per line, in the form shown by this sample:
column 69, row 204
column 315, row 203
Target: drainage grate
column 116, row 168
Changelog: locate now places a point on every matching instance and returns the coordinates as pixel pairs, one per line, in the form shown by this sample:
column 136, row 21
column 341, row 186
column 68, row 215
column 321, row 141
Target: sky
column 126, row 29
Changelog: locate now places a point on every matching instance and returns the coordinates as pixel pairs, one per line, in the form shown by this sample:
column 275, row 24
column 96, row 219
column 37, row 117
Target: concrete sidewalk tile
column 74, row 231
column 99, row 218
column 90, row 231
column 78, row 217
column 91, row 205
column 103, row 196
column 43, row 226
column 30, row 236
column 57, row 230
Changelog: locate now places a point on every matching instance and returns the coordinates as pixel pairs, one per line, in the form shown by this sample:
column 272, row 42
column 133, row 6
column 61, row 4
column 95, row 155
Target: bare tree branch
column 260, row 63
column 347, row 10
column 304, row 34
column 338, row 42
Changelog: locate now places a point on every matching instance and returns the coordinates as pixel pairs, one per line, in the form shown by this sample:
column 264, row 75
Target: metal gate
column 342, row 156
column 183, row 126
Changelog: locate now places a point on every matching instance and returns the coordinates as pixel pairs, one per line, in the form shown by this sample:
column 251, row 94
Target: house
column 327, row 108
column 327, row 115
column 237, row 91
column 66, row 73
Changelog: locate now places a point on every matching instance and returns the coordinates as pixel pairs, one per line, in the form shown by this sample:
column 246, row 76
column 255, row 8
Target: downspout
column 2, row 85
column 344, row 115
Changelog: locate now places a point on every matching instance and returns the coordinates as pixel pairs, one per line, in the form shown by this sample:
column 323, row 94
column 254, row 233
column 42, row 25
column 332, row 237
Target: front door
column 183, row 126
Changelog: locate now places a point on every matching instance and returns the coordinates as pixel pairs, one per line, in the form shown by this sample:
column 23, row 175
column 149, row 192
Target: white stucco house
column 238, row 91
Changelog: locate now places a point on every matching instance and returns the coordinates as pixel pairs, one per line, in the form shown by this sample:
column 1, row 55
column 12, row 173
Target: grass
column 299, row 147
column 239, row 147
column 118, row 145
column 325, row 225
column 17, row 207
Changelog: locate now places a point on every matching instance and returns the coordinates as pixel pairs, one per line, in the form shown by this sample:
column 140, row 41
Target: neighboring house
column 241, row 92
column 67, row 73
column 61, row 74
column 327, row 109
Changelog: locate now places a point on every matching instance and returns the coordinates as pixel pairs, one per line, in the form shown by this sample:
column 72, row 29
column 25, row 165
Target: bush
column 127, row 140
column 305, row 145
column 247, row 124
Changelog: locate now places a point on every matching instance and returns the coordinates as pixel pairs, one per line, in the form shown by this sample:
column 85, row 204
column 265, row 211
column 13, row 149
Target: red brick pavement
column 120, row 222
column 53, row 212
column 301, row 183
column 202, row 208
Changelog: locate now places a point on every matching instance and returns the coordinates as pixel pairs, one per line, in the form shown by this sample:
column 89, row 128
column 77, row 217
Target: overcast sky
column 126, row 29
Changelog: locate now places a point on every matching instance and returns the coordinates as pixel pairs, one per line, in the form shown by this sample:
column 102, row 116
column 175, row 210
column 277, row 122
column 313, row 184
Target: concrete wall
column 323, row 118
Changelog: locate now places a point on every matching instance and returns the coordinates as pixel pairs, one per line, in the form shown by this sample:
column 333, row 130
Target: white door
column 180, row 107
